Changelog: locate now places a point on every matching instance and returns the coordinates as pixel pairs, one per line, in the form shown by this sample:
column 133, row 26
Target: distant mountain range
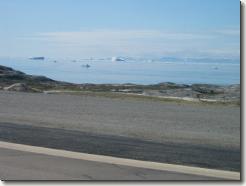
column 172, row 59
column 207, row 60
column 157, row 59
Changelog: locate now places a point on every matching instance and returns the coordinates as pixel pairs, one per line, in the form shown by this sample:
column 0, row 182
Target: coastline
column 12, row 80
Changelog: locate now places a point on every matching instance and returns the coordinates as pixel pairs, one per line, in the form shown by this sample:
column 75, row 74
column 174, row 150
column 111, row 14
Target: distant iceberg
column 86, row 66
column 37, row 58
column 113, row 59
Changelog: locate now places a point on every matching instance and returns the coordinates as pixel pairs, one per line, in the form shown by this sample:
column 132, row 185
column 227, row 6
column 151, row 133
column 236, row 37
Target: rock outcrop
column 11, row 79
column 20, row 87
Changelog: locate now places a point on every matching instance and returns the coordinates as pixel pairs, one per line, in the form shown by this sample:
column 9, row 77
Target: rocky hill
column 11, row 79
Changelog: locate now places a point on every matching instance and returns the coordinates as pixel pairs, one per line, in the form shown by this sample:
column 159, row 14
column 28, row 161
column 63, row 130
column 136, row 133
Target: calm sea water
column 140, row 72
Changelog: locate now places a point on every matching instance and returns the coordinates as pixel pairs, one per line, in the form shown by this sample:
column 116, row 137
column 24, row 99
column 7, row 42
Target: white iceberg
column 113, row 59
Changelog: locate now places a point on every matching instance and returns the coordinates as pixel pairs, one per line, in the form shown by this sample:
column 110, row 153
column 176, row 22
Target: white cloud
column 118, row 35
column 229, row 32
column 135, row 42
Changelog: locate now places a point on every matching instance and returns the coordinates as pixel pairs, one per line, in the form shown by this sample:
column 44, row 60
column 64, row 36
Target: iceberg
column 113, row 59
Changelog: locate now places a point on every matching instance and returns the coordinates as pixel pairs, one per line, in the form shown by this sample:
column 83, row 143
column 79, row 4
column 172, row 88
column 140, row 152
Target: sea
column 139, row 71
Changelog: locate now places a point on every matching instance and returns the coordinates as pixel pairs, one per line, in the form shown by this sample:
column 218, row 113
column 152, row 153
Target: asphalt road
column 143, row 119
column 187, row 134
column 193, row 155
column 18, row 165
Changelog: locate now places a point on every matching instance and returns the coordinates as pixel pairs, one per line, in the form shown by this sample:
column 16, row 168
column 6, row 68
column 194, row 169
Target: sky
column 105, row 28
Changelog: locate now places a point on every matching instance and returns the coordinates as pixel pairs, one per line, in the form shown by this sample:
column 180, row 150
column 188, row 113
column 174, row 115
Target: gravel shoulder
column 204, row 125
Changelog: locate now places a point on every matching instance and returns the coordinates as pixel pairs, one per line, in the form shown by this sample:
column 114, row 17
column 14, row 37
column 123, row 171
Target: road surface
column 118, row 146
column 196, row 135
column 24, row 165
column 143, row 119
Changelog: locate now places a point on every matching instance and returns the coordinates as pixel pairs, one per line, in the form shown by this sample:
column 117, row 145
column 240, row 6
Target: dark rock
column 207, row 89
column 41, row 79
column 37, row 58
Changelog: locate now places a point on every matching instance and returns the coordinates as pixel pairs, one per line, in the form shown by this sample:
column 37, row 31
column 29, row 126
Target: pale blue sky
column 102, row 28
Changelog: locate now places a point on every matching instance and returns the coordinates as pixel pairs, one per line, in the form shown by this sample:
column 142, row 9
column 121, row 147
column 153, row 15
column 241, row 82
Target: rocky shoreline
column 13, row 80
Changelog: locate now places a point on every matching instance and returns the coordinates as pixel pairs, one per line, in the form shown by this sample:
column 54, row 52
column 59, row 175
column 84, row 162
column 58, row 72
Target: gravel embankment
column 216, row 125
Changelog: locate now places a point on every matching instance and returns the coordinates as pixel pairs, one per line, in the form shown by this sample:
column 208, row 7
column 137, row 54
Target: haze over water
column 138, row 71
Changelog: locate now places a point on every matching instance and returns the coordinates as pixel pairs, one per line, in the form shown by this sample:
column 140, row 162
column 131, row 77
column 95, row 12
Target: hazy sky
column 104, row 28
